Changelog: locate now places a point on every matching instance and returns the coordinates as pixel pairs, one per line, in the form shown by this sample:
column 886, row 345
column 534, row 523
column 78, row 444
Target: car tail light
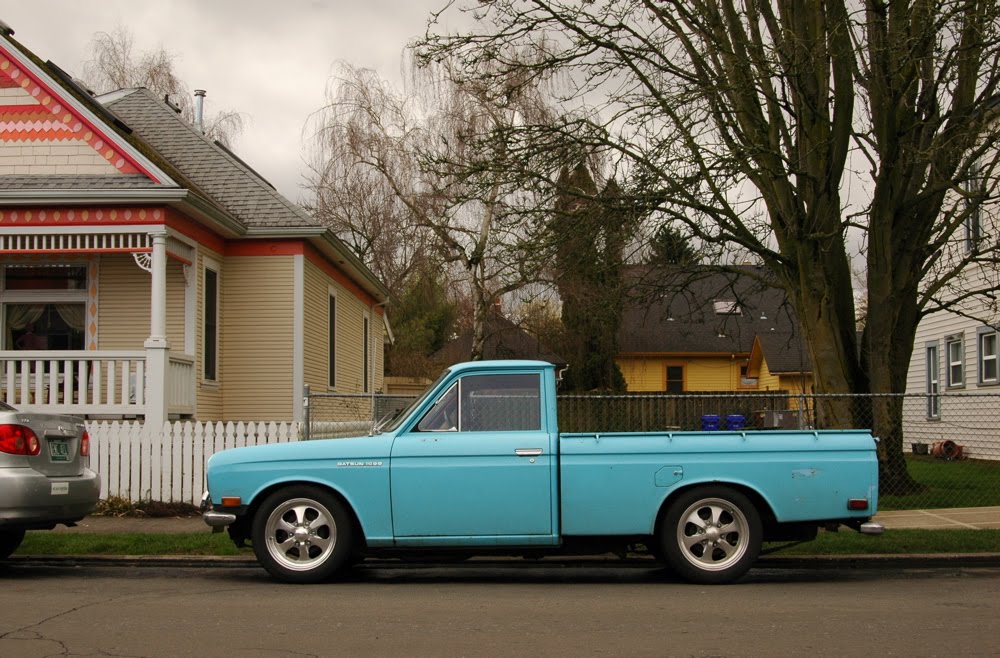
column 85, row 444
column 857, row 504
column 18, row 440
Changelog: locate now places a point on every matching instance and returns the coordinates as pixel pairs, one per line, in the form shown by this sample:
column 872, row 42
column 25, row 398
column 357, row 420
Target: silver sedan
column 45, row 476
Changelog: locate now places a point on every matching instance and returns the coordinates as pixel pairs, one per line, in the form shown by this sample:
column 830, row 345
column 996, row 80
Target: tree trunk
column 827, row 322
column 483, row 301
column 888, row 341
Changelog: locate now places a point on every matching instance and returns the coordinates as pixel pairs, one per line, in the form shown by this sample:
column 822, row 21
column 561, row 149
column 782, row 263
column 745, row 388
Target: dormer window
column 727, row 307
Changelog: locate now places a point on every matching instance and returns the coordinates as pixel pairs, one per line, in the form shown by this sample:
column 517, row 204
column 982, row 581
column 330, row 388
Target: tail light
column 85, row 444
column 19, row 440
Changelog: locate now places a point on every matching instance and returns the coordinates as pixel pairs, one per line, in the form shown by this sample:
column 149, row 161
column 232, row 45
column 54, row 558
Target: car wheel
column 302, row 534
column 9, row 541
column 711, row 535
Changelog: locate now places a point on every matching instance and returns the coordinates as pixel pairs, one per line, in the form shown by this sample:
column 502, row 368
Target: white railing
column 169, row 466
column 91, row 382
column 180, row 384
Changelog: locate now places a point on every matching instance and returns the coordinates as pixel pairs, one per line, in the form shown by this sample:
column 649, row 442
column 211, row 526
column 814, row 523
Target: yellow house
column 148, row 272
column 779, row 363
column 695, row 331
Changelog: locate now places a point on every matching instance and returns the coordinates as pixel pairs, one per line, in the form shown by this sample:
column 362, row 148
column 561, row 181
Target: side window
column 487, row 403
column 500, row 403
column 443, row 416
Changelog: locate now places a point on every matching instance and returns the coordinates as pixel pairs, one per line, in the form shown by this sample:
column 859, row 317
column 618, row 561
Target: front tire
column 10, row 540
column 302, row 534
column 711, row 535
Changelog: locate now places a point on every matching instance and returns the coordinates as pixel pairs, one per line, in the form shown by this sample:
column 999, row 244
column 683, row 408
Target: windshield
column 397, row 420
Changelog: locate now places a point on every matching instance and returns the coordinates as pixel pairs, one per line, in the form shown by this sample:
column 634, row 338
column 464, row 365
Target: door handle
column 528, row 452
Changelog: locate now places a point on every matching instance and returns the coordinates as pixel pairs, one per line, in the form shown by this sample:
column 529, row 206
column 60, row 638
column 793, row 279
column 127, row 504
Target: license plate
column 60, row 488
column 58, row 450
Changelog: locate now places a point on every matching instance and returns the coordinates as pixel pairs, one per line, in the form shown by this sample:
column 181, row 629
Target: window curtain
column 20, row 317
column 74, row 315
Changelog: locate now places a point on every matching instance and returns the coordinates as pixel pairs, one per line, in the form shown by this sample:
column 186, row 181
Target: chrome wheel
column 712, row 534
column 301, row 534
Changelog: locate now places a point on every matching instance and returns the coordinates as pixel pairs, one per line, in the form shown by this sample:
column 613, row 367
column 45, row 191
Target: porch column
column 157, row 347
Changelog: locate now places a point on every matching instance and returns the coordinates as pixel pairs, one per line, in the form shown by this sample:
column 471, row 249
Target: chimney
column 199, row 110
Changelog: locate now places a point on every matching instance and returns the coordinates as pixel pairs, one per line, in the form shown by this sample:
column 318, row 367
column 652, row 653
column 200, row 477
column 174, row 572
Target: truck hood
column 367, row 447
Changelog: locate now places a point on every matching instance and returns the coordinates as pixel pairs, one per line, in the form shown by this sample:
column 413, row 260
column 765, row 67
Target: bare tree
column 116, row 65
column 437, row 159
column 760, row 124
column 365, row 176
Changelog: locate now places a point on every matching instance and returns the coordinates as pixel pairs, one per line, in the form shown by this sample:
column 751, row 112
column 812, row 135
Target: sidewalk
column 936, row 519
column 973, row 518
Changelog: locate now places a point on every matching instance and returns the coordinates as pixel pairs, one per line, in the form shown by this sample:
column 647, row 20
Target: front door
column 478, row 464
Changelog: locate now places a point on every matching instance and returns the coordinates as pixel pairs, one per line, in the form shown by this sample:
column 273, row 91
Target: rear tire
column 711, row 535
column 302, row 534
column 10, row 540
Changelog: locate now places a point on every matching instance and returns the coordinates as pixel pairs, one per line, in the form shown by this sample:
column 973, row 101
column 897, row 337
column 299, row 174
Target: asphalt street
column 486, row 610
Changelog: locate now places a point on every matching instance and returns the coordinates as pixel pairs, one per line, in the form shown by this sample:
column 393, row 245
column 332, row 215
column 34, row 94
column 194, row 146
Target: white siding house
column 955, row 361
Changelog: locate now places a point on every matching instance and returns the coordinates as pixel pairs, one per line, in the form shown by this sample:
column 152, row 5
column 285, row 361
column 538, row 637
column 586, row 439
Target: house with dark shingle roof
column 503, row 340
column 779, row 362
column 146, row 271
column 700, row 329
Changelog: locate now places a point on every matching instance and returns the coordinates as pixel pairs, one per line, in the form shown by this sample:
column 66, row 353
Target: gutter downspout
column 371, row 368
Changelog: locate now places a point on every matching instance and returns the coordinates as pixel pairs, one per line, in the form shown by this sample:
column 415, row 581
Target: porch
column 93, row 383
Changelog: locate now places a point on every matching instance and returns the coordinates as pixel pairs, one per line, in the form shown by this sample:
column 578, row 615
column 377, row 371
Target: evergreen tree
column 588, row 230
column 423, row 322
column 670, row 247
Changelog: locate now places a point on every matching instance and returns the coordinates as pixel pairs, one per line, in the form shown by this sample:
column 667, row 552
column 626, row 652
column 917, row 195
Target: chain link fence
column 950, row 442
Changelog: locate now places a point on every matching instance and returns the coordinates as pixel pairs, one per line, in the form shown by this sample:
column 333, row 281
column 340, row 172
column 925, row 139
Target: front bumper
column 212, row 518
column 31, row 500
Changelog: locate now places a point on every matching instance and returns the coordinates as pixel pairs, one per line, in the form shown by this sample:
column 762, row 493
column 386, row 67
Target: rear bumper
column 871, row 528
column 30, row 500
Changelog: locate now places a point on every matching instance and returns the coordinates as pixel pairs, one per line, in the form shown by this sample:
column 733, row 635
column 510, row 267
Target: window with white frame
column 974, row 191
column 210, row 328
column 933, row 382
column 331, row 366
column 366, row 355
column 955, row 353
column 988, row 356
column 44, row 306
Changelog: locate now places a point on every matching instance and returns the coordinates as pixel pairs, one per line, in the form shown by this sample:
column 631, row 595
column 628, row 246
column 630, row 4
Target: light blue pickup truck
column 477, row 465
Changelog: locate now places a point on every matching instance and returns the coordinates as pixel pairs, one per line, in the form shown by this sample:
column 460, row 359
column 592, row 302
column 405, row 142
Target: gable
column 45, row 132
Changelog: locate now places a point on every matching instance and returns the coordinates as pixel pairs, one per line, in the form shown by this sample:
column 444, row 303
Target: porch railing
column 93, row 383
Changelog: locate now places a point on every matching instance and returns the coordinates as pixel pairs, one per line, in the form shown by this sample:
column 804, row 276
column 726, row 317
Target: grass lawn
column 64, row 543
column 962, row 483
column 896, row 542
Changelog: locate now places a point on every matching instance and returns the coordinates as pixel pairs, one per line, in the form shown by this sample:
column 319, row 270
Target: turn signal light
column 85, row 444
column 19, row 440
column 857, row 504
column 231, row 501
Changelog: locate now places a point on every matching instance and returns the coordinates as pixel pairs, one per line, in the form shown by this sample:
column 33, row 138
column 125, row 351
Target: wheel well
column 767, row 518
column 264, row 493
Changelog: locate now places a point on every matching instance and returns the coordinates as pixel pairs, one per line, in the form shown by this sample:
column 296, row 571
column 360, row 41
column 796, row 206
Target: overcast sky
column 269, row 60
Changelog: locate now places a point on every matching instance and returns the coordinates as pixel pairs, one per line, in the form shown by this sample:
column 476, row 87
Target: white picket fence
column 137, row 464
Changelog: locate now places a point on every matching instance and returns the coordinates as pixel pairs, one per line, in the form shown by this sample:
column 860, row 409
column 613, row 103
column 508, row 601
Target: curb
column 814, row 562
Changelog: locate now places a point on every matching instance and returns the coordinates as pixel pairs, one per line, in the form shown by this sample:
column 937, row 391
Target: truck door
column 478, row 464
